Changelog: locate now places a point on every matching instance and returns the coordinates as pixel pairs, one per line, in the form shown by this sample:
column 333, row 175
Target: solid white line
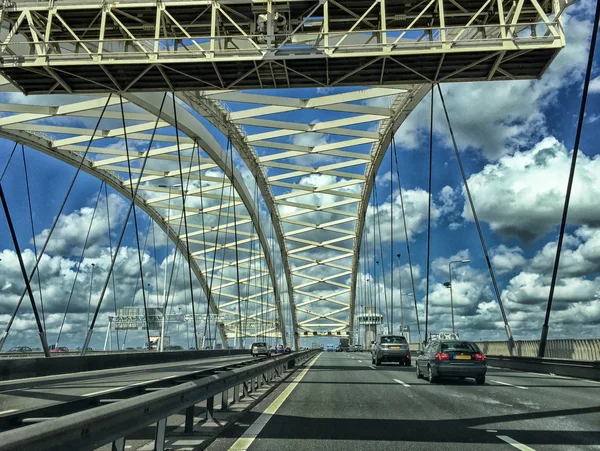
column 403, row 383
column 514, row 443
column 244, row 442
column 510, row 385
column 8, row 411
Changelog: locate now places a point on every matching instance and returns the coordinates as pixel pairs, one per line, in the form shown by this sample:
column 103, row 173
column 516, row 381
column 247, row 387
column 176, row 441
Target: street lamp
column 449, row 285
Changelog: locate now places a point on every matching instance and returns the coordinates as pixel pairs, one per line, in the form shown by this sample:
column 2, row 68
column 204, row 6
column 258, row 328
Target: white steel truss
column 243, row 44
column 212, row 187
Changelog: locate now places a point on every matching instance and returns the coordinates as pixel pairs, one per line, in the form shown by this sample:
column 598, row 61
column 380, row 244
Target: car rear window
column 460, row 346
column 392, row 340
column 262, row 345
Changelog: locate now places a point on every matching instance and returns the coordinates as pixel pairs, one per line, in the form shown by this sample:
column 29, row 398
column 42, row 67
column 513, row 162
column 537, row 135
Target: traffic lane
column 342, row 404
column 548, row 413
column 35, row 397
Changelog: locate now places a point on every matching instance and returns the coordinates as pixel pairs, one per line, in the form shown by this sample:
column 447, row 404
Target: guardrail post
column 189, row 419
column 210, row 408
column 161, row 432
column 225, row 400
column 236, row 394
column 118, row 444
column 246, row 390
column 255, row 382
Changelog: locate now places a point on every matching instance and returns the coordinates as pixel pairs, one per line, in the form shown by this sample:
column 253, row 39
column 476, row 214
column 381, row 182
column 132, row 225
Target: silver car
column 391, row 348
column 259, row 349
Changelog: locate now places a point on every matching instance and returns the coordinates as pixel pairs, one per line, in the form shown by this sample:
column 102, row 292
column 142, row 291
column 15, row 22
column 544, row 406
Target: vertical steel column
column 118, row 444
column 189, row 419
column 161, row 433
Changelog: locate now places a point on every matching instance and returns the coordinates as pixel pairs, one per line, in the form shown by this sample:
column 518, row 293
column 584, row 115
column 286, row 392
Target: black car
column 21, row 349
column 452, row 358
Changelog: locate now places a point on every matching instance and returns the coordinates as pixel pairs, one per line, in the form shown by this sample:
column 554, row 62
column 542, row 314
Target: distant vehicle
column 452, row 358
column 330, row 348
column 130, row 349
column 174, row 348
column 20, row 349
column 287, row 350
column 391, row 348
column 344, row 344
column 279, row 349
column 60, row 349
column 259, row 348
column 339, row 349
column 358, row 348
column 192, row 348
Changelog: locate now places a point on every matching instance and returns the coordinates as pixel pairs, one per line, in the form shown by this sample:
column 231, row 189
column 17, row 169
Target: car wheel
column 407, row 363
column 480, row 380
column 430, row 376
column 419, row 375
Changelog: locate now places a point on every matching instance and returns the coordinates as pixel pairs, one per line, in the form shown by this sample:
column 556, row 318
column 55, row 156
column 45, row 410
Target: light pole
column 90, row 296
column 449, row 285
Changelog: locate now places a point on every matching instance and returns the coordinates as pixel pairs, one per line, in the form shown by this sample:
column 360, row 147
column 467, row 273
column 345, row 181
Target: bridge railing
column 112, row 423
column 575, row 349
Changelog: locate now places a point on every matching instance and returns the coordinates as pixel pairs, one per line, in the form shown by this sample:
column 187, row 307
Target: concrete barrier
column 37, row 367
column 576, row 349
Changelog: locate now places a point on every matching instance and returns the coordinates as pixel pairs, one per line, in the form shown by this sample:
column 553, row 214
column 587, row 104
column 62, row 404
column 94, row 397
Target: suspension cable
column 429, row 214
column 123, row 229
column 111, row 251
column 135, row 222
column 137, row 280
column 24, row 272
column 39, row 280
column 387, row 313
column 479, row 232
column 410, row 266
column 563, row 223
column 187, row 238
column 392, row 241
column 8, row 161
column 87, row 236
column 55, row 222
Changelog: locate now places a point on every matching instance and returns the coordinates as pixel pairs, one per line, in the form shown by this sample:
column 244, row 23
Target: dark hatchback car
column 452, row 358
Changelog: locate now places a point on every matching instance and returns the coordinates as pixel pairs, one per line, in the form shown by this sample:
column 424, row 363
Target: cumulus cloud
column 523, row 194
column 500, row 117
column 595, row 85
column 507, row 259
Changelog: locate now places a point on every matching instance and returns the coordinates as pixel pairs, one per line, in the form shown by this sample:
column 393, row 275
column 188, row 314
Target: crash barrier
column 576, row 349
column 585, row 369
column 114, row 422
column 41, row 366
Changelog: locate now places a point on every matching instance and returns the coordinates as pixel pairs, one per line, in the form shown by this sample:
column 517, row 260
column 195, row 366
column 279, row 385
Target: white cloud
column 501, row 117
column 507, row 259
column 595, row 85
column 523, row 194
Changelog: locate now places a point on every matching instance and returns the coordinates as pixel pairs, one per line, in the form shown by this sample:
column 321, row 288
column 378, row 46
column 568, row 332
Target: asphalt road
column 344, row 403
column 43, row 391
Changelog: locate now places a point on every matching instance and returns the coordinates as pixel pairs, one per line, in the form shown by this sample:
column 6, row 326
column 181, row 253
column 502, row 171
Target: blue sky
column 502, row 130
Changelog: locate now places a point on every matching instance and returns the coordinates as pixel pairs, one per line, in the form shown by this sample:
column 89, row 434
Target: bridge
column 181, row 179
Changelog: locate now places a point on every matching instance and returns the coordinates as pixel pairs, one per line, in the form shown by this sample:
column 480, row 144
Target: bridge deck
column 344, row 404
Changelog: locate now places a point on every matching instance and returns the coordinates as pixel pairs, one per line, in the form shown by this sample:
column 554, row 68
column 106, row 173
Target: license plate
column 462, row 357
column 395, row 347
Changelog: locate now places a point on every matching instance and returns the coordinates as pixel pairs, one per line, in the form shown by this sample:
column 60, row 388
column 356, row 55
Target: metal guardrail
column 585, row 369
column 102, row 425
column 41, row 366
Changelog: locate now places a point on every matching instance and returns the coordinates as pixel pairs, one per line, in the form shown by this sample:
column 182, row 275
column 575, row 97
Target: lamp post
column 449, row 285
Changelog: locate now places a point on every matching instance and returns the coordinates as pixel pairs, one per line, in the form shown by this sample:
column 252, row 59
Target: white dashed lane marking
column 514, row 443
column 510, row 385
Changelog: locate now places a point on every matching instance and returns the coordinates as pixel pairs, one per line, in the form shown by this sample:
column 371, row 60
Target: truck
column 344, row 344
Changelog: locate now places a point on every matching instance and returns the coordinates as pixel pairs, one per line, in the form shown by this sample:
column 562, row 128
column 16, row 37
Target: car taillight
column 480, row 357
column 442, row 356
